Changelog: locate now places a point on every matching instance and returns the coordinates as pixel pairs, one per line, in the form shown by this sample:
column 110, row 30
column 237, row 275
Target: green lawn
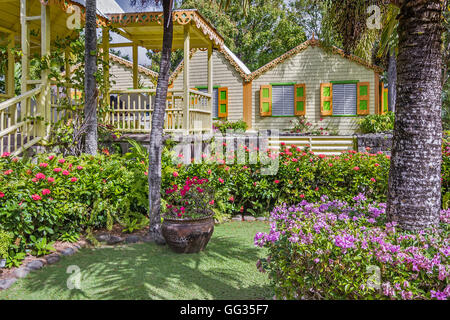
column 225, row 270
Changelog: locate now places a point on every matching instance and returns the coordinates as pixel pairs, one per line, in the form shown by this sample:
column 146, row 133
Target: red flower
column 231, row 199
column 36, row 197
column 40, row 176
column 376, row 164
column 2, row 194
column 45, row 192
column 50, row 158
column 175, row 174
column 321, row 156
column 277, row 181
column 211, row 202
column 7, row 172
column 302, row 196
column 317, row 189
column 242, row 209
column 373, row 180
column 57, row 170
column 61, row 160
column 221, row 180
column 43, row 165
column 6, row 154
column 73, row 179
column 65, row 173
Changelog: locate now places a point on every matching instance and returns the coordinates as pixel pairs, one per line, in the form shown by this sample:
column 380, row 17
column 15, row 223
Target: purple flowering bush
column 334, row 250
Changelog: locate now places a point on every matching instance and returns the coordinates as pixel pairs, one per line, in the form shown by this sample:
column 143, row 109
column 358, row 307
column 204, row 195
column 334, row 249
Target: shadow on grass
column 225, row 270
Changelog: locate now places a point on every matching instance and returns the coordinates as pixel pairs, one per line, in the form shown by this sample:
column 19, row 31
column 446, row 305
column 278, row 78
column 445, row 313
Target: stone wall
column 375, row 141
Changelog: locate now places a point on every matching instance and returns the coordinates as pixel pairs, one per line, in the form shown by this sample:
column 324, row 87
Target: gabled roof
column 304, row 46
column 129, row 64
column 239, row 66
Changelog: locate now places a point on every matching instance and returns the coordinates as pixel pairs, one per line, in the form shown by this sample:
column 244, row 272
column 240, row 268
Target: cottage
column 229, row 74
column 331, row 89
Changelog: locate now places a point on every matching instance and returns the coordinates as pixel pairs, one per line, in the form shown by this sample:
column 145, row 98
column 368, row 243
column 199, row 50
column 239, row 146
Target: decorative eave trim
column 304, row 46
column 233, row 63
column 129, row 64
column 65, row 4
column 181, row 17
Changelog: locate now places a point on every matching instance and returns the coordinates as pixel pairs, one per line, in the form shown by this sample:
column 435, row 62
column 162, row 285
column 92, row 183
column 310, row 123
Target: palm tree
column 414, row 196
column 90, row 84
column 156, row 134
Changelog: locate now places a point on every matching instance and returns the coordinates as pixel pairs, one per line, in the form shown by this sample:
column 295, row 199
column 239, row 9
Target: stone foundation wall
column 376, row 142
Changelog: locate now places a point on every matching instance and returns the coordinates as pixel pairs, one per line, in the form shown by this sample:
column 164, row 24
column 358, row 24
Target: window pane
column 215, row 110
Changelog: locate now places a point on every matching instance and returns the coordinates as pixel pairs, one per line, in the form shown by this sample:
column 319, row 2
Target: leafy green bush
column 223, row 125
column 375, row 123
column 333, row 250
column 5, row 242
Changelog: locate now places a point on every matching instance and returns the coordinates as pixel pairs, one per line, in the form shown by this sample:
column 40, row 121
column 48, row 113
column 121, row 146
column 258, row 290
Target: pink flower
column 146, row 173
column 50, row 158
column 46, row 192
column 231, row 199
column 7, row 172
column 221, row 180
column 50, row 179
column 73, row 179
column 376, row 165
column 15, row 159
column 57, row 170
column 43, row 165
column 211, row 202
column 61, row 160
column 356, row 168
column 40, row 176
column 79, row 168
column 6, row 154
column 277, row 181
column 373, row 180
column 34, row 180
column 179, row 215
column 209, row 171
column 2, row 194
column 302, row 196
column 36, row 197
column 65, row 173
column 330, row 164
column 175, row 174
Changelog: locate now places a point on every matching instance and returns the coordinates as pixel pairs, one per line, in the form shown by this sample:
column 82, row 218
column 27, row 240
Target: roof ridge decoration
column 304, row 46
column 181, row 17
column 66, row 4
column 222, row 50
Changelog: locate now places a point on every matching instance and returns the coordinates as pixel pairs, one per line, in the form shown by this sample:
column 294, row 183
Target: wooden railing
column 19, row 122
column 131, row 111
column 65, row 100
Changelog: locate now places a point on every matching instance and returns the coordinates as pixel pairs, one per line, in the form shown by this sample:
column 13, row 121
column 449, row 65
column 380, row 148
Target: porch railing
column 131, row 111
column 19, row 122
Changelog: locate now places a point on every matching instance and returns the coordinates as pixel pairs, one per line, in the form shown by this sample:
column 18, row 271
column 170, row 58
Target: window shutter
column 385, row 101
column 300, row 99
column 326, row 99
column 265, row 100
column 223, row 102
column 363, row 98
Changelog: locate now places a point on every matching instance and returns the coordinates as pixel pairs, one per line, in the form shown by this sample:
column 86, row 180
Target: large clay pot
column 187, row 235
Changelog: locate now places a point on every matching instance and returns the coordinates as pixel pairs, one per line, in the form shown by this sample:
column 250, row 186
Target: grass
column 225, row 270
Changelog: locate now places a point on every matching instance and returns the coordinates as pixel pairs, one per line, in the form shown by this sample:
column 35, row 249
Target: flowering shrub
column 58, row 198
column 331, row 250
column 193, row 200
column 375, row 123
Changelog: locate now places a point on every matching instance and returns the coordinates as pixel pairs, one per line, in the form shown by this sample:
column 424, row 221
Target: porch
column 26, row 117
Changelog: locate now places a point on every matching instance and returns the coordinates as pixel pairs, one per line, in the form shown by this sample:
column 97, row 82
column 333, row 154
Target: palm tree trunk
column 392, row 81
column 90, row 84
column 414, row 197
column 156, row 135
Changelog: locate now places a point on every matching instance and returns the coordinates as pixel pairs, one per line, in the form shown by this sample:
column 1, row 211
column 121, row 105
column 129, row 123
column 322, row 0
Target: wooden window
column 215, row 104
column 222, row 102
column 326, row 99
column 265, row 100
column 363, row 91
column 283, row 100
column 344, row 99
column 300, row 99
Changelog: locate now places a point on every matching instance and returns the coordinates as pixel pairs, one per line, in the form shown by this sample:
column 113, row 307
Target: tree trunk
column 156, row 135
column 90, row 84
column 392, row 81
column 414, row 197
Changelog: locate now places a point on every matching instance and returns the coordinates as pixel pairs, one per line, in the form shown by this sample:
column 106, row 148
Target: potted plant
column 189, row 219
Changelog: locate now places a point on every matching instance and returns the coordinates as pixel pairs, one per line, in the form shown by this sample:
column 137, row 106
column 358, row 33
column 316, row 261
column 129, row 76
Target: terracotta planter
column 187, row 235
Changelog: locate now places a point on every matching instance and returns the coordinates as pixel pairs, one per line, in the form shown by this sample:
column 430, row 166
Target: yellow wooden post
column 25, row 45
column 186, row 77
column 135, row 67
column 210, row 86
column 10, row 81
column 105, row 45
column 44, row 107
column 67, row 75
